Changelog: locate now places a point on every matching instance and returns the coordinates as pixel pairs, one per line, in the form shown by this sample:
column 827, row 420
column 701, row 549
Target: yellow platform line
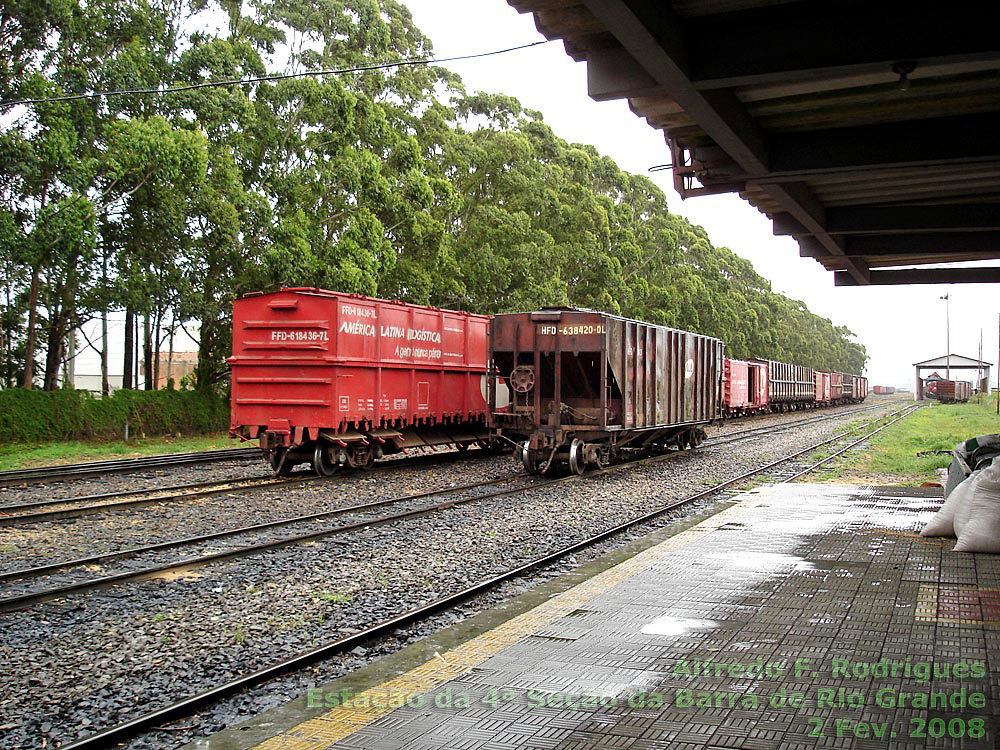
column 372, row 704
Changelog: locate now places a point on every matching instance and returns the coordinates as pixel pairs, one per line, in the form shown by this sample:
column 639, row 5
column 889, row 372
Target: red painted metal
column 308, row 360
column 744, row 387
column 823, row 390
column 836, row 386
column 735, row 386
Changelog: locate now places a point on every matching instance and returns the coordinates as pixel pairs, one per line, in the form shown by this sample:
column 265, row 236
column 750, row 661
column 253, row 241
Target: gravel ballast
column 88, row 661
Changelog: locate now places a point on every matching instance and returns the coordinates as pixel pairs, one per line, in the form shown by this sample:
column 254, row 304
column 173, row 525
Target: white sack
column 943, row 522
column 977, row 522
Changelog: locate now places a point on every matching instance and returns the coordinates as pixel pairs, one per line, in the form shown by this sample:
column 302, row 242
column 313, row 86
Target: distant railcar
column 335, row 379
column 789, row 386
column 824, row 392
column 855, row 388
column 836, row 387
column 883, row 390
column 585, row 386
column 948, row 391
column 744, row 388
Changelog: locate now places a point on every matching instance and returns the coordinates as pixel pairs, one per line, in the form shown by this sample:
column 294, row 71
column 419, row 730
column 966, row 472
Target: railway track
column 187, row 564
column 190, row 704
column 24, row 513
column 182, row 492
column 121, row 466
column 525, row 483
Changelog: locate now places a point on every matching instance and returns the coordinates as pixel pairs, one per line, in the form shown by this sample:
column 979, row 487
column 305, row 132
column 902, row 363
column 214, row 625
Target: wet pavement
column 805, row 616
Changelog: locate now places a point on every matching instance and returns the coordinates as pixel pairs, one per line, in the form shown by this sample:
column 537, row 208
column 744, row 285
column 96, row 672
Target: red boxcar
column 836, row 387
column 331, row 379
column 823, row 388
column 744, row 387
column 948, row 391
column 855, row 388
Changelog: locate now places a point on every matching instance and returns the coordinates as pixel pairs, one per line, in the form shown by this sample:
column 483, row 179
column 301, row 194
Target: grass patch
column 14, row 456
column 893, row 452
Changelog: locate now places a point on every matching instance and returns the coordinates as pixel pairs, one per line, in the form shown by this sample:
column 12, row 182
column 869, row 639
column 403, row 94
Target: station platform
column 802, row 616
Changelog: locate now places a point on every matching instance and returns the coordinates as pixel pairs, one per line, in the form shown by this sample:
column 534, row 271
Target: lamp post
column 947, row 318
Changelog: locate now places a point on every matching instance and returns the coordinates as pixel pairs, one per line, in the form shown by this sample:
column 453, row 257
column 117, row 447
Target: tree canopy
column 394, row 182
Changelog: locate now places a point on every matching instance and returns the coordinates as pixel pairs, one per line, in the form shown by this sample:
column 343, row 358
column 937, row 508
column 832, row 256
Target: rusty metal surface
column 602, row 371
column 788, row 383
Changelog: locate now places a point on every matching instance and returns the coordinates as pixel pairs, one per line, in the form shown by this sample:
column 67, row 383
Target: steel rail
column 226, row 485
column 121, row 466
column 13, row 520
column 36, row 571
column 22, row 601
column 121, row 732
column 213, row 489
column 132, row 551
column 107, row 557
column 846, row 448
column 795, row 423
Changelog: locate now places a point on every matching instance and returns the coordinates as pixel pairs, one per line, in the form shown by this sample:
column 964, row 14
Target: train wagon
column 948, row 391
column 744, row 388
column 789, row 386
column 335, row 379
column 585, row 387
column 855, row 388
column 836, row 387
column 822, row 387
column 883, row 390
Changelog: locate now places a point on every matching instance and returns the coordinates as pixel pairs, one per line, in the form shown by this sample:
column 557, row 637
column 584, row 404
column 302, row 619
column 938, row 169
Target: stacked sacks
column 971, row 512
column 969, row 455
column 977, row 520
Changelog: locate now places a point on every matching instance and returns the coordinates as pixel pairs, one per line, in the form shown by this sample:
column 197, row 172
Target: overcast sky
column 898, row 325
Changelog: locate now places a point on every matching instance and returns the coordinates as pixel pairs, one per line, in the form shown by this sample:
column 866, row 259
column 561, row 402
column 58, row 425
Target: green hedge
column 41, row 416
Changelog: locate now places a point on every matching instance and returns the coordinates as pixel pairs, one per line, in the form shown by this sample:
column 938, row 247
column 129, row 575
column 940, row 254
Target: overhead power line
column 267, row 78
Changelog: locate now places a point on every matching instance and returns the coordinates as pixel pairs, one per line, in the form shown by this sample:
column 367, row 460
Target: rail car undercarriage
column 327, row 450
column 579, row 450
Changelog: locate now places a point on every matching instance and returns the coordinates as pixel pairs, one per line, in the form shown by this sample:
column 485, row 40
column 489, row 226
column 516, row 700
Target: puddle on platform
column 668, row 625
column 819, row 524
column 765, row 562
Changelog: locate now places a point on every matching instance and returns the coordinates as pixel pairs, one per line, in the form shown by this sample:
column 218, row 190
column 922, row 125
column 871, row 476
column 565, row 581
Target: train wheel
column 321, row 461
column 577, row 462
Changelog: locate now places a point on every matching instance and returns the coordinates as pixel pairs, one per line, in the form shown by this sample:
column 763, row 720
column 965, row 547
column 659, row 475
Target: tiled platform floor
column 827, row 589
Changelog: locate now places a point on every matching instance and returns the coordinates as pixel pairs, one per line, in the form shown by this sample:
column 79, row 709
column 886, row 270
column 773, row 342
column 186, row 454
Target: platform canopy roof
column 866, row 130
column 956, row 360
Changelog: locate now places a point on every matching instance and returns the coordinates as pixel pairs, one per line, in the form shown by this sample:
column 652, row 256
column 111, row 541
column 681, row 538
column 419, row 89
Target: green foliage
column 28, row 416
column 393, row 182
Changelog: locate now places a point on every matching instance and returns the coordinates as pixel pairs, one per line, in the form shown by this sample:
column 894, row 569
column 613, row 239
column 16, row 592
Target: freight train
column 948, row 391
column 332, row 379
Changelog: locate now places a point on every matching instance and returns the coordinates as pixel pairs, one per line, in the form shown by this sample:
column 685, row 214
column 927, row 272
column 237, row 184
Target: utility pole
column 947, row 318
